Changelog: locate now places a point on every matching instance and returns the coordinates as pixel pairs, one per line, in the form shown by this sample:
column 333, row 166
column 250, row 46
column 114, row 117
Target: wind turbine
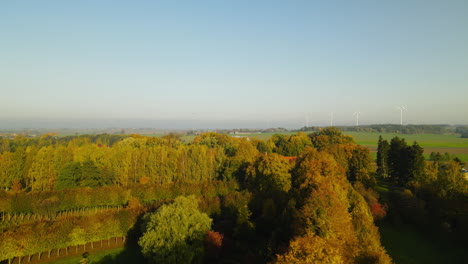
column 331, row 119
column 401, row 108
column 357, row 113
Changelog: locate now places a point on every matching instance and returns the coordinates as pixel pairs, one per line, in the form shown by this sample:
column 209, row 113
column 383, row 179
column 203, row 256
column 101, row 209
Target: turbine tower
column 401, row 108
column 357, row 113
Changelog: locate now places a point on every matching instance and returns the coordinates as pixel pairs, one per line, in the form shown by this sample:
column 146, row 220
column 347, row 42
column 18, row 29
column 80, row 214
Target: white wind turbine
column 357, row 113
column 401, row 108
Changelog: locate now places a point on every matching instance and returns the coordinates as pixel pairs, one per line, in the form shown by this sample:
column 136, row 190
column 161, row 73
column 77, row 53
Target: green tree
column 91, row 175
column 415, row 161
column 397, row 159
column 69, row 176
column 382, row 157
column 175, row 233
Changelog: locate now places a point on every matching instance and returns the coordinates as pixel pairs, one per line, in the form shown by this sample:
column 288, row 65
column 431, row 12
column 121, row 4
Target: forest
column 302, row 198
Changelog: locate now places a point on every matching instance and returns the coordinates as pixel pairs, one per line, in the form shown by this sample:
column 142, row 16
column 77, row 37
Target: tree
column 382, row 157
column 450, row 180
column 175, row 233
column 415, row 161
column 297, row 143
column 359, row 166
column 329, row 136
column 91, row 175
column 69, row 176
column 42, row 172
column 406, row 163
column 269, row 173
column 398, row 162
column 6, row 169
column 311, row 249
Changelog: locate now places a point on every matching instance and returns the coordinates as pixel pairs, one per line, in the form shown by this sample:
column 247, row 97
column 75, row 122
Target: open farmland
column 451, row 143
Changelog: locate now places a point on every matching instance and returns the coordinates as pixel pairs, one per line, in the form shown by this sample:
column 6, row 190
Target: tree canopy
column 175, row 233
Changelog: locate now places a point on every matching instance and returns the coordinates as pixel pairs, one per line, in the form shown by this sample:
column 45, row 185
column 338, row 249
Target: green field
column 425, row 140
column 451, row 143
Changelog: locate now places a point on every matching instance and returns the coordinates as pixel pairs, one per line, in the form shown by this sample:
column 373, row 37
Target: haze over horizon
column 220, row 64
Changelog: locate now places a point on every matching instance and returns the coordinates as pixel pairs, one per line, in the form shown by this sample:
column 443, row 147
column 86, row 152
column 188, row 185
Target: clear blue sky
column 271, row 62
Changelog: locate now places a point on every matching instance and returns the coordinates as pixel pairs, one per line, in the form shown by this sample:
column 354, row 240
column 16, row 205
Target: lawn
column 406, row 245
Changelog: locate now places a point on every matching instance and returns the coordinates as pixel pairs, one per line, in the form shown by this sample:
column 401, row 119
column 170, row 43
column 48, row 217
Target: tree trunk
column 50, row 251
column 9, row 260
column 101, row 242
column 29, row 258
column 58, row 252
column 84, row 246
column 76, row 249
column 108, row 241
column 19, row 260
column 66, row 250
column 92, row 245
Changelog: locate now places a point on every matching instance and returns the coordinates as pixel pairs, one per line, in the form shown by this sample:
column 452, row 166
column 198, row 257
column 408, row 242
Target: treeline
column 393, row 128
column 50, row 203
column 463, row 131
column 433, row 193
column 285, row 200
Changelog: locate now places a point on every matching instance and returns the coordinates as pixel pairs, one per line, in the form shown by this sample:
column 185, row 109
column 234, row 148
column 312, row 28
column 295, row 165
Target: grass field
column 451, row 143
column 406, row 245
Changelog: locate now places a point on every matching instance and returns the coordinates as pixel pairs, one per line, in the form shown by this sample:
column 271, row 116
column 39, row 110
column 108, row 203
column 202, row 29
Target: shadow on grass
column 131, row 252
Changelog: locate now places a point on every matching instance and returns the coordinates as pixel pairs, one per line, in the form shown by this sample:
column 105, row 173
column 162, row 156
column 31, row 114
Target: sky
column 232, row 63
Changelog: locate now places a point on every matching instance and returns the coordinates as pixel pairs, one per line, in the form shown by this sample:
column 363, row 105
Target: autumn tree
column 329, row 136
column 269, row 173
column 42, row 172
